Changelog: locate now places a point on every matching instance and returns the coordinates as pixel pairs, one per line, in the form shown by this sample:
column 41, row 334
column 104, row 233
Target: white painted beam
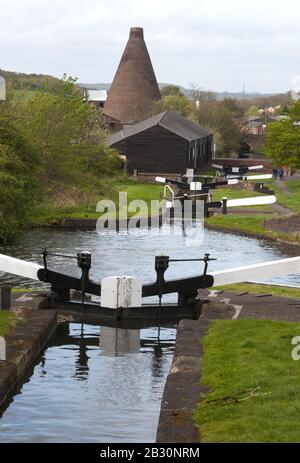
column 258, row 177
column 160, row 179
column 256, row 167
column 255, row 201
column 125, row 291
column 19, row 267
column 257, row 272
column 2, row 349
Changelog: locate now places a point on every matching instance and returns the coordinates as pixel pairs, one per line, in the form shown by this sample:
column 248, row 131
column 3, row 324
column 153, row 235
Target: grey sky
column 212, row 43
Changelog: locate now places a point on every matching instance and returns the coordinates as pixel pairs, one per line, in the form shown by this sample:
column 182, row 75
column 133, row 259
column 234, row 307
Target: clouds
column 212, row 43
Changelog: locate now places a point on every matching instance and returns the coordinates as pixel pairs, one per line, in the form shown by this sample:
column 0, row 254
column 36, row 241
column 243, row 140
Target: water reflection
column 85, row 389
column 116, row 341
column 81, row 364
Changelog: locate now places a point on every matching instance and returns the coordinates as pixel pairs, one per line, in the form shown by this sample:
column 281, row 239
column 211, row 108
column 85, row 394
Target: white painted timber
column 258, row 272
column 194, row 186
column 255, row 201
column 256, row 167
column 125, row 291
column 2, row 349
column 232, row 181
column 19, row 267
column 258, row 177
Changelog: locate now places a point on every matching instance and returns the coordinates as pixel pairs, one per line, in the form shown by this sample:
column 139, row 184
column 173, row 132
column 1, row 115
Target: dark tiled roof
column 170, row 120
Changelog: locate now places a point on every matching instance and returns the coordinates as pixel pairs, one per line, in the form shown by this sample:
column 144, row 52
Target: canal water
column 101, row 384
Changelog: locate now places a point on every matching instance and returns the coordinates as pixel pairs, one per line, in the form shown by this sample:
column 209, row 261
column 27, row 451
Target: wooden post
column 121, row 292
column 224, row 208
column 5, row 298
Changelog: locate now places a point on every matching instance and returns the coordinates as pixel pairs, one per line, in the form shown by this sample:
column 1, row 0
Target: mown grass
column 250, row 362
column 237, row 193
column 253, row 225
column 290, row 200
column 256, row 288
column 233, row 193
column 49, row 213
column 7, row 321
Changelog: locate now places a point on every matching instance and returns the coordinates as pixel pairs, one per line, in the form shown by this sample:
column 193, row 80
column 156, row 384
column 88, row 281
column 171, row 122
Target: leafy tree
column 69, row 136
column 171, row 90
column 283, row 139
column 177, row 103
column 223, row 122
column 19, row 170
column 253, row 111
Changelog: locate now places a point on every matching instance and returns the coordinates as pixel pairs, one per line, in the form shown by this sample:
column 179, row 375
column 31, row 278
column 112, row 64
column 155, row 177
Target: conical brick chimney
column 134, row 88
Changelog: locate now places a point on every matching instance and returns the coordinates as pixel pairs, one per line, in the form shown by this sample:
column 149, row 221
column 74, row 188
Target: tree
column 253, row 111
column 223, row 122
column 177, row 103
column 69, row 136
column 171, row 90
column 19, row 170
column 283, row 139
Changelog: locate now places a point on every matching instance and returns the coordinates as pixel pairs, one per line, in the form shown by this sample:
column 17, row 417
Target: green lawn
column 237, row 193
column 233, row 193
column 253, row 225
column 255, row 288
column 254, row 383
column 7, row 321
column 291, row 200
column 48, row 212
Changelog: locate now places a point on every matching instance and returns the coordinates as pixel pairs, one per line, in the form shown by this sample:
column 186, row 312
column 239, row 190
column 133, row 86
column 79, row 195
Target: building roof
column 280, row 117
column 253, row 124
column 134, row 88
column 253, row 118
column 169, row 120
column 96, row 95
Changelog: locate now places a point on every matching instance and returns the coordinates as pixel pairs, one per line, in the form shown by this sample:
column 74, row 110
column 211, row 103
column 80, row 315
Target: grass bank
column 252, row 225
column 256, row 288
column 52, row 212
column 254, row 383
column 7, row 321
column 289, row 197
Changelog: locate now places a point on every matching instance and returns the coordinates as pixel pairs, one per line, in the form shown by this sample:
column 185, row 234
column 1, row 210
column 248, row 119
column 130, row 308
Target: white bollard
column 122, row 291
column 2, row 349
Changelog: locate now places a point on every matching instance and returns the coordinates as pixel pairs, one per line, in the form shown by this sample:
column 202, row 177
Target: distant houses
column 96, row 97
column 256, row 124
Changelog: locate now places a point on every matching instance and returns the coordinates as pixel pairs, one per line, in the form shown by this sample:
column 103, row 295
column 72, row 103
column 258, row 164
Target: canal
column 101, row 384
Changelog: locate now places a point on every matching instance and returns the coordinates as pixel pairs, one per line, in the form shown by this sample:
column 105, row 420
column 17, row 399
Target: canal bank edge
column 183, row 388
column 249, row 234
column 23, row 344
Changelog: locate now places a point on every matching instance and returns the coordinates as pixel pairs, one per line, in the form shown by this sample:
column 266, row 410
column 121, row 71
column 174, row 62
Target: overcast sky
column 214, row 44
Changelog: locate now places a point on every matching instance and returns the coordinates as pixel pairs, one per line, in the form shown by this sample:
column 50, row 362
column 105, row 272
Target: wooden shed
column 165, row 143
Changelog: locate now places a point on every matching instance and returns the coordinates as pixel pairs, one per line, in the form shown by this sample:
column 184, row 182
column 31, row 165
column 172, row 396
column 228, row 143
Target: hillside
column 188, row 92
column 29, row 82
